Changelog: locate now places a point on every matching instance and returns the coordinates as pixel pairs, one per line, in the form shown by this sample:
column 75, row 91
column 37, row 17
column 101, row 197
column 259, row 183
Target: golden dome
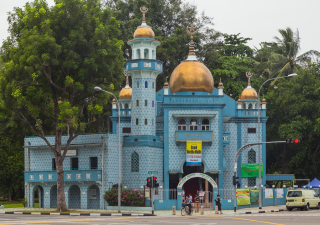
column 126, row 93
column 191, row 76
column 249, row 93
column 143, row 32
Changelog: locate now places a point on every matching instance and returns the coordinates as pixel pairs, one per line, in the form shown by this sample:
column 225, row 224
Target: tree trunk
column 61, row 201
column 9, row 192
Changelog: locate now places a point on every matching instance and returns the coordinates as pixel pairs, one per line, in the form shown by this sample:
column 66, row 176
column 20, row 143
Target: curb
column 79, row 214
column 265, row 211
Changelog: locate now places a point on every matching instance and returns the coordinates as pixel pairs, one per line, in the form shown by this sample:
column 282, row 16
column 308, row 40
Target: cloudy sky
column 257, row 19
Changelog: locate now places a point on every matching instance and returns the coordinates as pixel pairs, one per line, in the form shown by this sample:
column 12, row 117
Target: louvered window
column 134, row 162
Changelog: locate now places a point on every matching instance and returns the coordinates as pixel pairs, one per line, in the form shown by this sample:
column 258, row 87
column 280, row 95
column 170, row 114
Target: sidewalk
column 166, row 213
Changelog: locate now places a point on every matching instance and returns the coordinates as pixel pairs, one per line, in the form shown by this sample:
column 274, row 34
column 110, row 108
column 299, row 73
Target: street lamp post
column 119, row 150
column 259, row 141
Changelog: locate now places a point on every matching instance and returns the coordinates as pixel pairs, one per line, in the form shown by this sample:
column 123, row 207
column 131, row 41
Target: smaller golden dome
column 264, row 100
column 144, row 32
column 114, row 100
column 126, row 93
column 249, row 93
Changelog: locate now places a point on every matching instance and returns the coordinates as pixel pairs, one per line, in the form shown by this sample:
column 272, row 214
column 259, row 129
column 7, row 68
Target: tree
column 232, row 64
column 287, row 61
column 293, row 113
column 51, row 62
column 169, row 20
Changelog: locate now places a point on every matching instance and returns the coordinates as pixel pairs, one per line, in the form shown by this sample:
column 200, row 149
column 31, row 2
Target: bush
column 129, row 197
column 24, row 202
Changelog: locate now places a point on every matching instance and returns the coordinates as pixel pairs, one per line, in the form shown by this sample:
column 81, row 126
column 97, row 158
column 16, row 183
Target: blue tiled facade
column 152, row 141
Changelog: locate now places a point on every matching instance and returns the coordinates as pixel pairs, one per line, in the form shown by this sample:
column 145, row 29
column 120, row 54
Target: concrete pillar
column 202, row 210
column 179, row 199
column 173, row 210
column 207, row 192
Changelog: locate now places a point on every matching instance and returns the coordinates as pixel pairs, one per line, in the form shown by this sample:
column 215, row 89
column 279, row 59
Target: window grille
column 205, row 124
column 193, row 124
column 252, row 156
column 251, row 181
column 134, row 162
column 182, row 124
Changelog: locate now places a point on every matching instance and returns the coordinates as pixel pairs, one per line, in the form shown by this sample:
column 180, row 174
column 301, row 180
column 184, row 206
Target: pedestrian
column 197, row 201
column 190, row 197
column 218, row 203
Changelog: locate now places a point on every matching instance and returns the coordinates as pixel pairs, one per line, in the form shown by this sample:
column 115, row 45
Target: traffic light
column 292, row 141
column 155, row 184
column 235, row 180
column 149, row 182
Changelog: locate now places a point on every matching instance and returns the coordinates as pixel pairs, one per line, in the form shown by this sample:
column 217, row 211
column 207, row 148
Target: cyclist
column 188, row 203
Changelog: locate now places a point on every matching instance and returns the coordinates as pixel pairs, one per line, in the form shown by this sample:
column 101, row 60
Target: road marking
column 248, row 220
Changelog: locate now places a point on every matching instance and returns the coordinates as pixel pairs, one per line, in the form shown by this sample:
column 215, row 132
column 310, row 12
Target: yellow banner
column 194, row 147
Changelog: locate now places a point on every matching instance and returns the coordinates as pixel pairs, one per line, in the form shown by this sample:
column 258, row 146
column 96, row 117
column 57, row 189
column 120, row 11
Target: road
column 292, row 218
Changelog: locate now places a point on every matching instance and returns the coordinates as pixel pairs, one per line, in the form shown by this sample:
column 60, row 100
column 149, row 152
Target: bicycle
column 185, row 210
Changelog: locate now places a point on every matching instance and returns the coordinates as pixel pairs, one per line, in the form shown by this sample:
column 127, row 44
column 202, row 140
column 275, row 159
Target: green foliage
column 293, row 113
column 129, row 197
column 54, row 58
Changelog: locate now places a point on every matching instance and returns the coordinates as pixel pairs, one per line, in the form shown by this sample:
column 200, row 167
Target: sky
column 257, row 19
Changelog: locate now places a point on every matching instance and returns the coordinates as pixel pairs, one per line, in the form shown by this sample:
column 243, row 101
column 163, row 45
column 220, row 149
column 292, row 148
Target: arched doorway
column 93, row 197
column 74, row 197
column 192, row 184
column 53, row 197
column 38, row 197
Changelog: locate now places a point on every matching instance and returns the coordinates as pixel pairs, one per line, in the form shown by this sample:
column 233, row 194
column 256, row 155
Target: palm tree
column 286, row 60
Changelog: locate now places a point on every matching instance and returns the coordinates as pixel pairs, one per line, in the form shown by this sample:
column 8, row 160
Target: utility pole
column 152, row 195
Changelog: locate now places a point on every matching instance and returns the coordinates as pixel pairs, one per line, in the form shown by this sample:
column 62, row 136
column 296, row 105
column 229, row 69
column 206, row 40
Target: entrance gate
column 207, row 195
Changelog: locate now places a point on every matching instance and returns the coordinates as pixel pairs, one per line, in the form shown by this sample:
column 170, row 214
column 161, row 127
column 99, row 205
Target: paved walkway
column 157, row 212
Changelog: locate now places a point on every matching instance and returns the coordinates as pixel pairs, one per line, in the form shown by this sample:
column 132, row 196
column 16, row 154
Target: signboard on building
column 70, row 153
column 243, row 196
column 251, row 170
column 280, row 193
column 254, row 196
column 146, row 192
column 206, row 136
column 193, row 153
column 268, row 193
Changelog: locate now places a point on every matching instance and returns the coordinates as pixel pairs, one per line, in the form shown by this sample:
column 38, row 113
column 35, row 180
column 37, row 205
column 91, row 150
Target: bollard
column 202, row 210
column 216, row 210
column 173, row 210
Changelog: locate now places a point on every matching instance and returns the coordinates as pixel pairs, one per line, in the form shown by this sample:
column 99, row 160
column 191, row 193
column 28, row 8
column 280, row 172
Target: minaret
column 143, row 69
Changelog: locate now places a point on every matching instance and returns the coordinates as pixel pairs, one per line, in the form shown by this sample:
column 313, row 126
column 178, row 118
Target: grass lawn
column 51, row 211
column 15, row 204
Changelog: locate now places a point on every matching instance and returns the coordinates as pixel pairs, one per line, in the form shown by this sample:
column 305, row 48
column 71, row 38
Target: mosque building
column 187, row 133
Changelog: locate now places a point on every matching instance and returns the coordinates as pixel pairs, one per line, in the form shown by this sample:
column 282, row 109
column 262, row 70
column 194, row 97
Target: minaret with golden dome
column 143, row 69
column 125, row 95
column 249, row 96
column 191, row 75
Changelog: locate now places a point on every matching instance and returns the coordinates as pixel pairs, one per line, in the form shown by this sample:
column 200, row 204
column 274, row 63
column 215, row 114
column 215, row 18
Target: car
column 302, row 199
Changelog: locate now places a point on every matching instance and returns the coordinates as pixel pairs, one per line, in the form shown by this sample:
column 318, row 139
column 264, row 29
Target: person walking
column 218, row 203
column 190, row 197
column 197, row 201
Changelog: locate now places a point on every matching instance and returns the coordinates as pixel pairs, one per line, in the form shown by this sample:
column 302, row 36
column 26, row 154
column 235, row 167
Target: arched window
column 145, row 102
column 137, row 121
column 138, row 84
column 145, row 121
column 134, row 162
column 137, row 103
column 193, row 124
column 250, row 106
column 182, row 124
column 146, row 53
column 126, row 106
column 244, row 106
column 146, row 84
column 138, row 54
column 252, row 156
column 205, row 124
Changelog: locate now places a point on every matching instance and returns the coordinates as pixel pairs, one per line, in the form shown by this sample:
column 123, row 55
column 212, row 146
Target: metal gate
column 206, row 199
